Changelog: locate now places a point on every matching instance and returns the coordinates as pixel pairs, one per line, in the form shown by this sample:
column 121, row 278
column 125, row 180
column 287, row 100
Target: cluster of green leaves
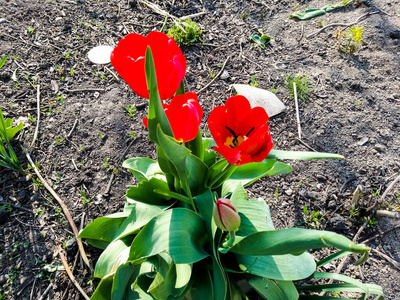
column 8, row 159
column 262, row 40
column 350, row 41
column 165, row 244
column 303, row 86
column 185, row 32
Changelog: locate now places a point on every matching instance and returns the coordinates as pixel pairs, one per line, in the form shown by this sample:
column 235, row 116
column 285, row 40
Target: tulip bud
column 226, row 216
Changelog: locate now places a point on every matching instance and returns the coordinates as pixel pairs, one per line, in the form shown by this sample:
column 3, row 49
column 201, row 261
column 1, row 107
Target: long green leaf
column 178, row 231
column 123, row 279
column 293, row 241
column 274, row 289
column 190, row 168
column 156, row 111
column 342, row 287
column 140, row 216
column 112, row 257
column 305, row 155
column 3, row 61
column 279, row 267
column 103, row 290
column 144, row 192
column 205, row 204
column 142, row 167
column 332, row 257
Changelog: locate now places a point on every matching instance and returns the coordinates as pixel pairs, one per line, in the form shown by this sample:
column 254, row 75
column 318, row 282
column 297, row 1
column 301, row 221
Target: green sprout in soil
column 303, row 86
column 253, row 81
column 185, row 32
column 262, row 40
column 351, row 40
column 131, row 109
column 8, row 159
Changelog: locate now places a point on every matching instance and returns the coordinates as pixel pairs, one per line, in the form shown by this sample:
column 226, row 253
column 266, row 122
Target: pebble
column 22, row 195
column 99, row 199
column 380, row 148
column 363, row 141
column 289, row 192
column 225, row 75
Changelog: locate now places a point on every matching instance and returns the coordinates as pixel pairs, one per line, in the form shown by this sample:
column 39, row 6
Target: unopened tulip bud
column 226, row 216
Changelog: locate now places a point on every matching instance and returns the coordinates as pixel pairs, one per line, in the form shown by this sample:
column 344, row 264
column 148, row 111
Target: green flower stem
column 231, row 240
column 224, row 175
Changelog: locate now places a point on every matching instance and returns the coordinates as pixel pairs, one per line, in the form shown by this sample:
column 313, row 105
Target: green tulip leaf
column 144, row 192
column 332, row 257
column 254, row 214
column 205, row 204
column 349, row 285
column 251, row 172
column 139, row 217
column 304, row 155
column 103, row 290
column 178, row 231
column 314, row 12
column 156, row 111
column 123, row 278
column 202, row 287
column 103, row 229
column 293, row 241
column 10, row 131
column 143, row 281
column 112, row 257
column 274, row 289
column 142, row 167
column 190, row 168
column 3, row 61
column 210, row 156
column 197, row 147
column 280, row 267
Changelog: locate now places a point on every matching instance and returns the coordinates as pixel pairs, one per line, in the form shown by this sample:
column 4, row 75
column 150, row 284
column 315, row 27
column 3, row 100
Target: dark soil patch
column 354, row 111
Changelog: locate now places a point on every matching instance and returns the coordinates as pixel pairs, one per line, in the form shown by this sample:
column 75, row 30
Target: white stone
column 260, row 97
column 100, row 55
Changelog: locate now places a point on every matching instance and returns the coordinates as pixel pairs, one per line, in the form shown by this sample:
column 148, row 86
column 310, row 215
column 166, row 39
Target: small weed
column 371, row 223
column 57, row 142
column 356, row 103
column 262, row 40
column 72, row 72
column 85, row 199
column 303, row 86
column 37, row 183
column 105, row 163
column 133, row 134
column 30, row 30
column 39, row 212
column 272, row 89
column 100, row 135
column 131, row 109
column 253, row 81
column 68, row 54
column 32, row 119
column 350, row 41
column 185, row 32
column 80, row 148
column 314, row 218
column 320, row 23
column 212, row 73
column 244, row 16
column 82, row 163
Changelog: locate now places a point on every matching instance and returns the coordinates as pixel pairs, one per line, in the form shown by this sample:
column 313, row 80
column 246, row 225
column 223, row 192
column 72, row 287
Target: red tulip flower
column 240, row 132
column 184, row 113
column 129, row 56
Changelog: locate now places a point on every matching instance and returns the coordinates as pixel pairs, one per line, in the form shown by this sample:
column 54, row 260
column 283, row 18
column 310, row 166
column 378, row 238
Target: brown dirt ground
column 354, row 110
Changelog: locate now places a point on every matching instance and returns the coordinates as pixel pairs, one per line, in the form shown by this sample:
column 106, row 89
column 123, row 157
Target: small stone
column 362, row 141
column 99, row 199
column 1, row 199
column 96, row 94
column 395, row 34
column 313, row 195
column 3, row 279
column 289, row 192
column 225, row 75
column 2, row 21
column 259, row 97
column 380, row 148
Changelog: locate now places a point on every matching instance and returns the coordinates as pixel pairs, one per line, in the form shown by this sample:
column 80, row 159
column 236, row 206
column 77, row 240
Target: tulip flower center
column 236, row 139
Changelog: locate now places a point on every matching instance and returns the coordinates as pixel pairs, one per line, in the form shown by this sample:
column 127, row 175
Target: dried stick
column 71, row 276
column 64, row 208
column 343, row 24
column 379, row 234
column 192, row 16
column 89, row 89
column 219, row 74
column 297, row 110
column 73, row 128
column 389, row 259
column 112, row 73
column 46, row 291
column 37, row 118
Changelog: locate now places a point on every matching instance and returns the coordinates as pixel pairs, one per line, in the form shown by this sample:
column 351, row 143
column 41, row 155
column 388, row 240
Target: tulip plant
column 188, row 229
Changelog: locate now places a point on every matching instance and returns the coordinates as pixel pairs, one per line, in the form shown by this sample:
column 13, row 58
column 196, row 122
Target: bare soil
column 354, row 110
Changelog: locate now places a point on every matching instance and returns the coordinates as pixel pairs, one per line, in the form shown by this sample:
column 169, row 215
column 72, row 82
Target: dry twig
column 64, row 208
column 297, row 110
column 70, row 275
column 37, row 118
column 216, row 76
column 346, row 25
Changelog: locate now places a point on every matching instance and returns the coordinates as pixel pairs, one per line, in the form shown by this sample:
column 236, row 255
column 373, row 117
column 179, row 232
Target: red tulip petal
column 146, row 122
column 232, row 155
